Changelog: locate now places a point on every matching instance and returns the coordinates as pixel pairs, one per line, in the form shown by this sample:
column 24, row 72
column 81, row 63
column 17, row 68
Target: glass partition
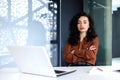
column 100, row 10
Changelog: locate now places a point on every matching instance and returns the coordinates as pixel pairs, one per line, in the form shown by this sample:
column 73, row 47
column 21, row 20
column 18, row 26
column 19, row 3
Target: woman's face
column 83, row 24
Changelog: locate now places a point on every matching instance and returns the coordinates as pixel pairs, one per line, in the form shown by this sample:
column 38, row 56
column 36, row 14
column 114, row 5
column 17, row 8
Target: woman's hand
column 72, row 52
column 92, row 47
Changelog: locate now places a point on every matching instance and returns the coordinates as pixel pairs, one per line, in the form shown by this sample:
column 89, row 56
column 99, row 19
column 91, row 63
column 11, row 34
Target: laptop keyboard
column 58, row 71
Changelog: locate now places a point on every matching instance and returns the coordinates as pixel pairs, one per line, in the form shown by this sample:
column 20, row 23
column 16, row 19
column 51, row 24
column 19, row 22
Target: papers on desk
column 100, row 71
column 104, row 73
column 96, row 70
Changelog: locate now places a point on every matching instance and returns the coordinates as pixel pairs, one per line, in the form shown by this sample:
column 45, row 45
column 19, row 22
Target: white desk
column 82, row 73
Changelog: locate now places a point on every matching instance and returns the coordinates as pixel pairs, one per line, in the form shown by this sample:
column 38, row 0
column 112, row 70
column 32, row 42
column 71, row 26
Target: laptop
column 35, row 60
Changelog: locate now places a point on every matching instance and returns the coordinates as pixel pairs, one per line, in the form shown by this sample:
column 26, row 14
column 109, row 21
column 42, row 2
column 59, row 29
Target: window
column 27, row 22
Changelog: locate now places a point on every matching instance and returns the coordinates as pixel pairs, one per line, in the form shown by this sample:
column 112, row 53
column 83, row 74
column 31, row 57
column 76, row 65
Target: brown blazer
column 82, row 52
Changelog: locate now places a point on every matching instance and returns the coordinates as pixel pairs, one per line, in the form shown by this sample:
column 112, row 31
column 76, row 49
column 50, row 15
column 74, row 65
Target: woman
column 82, row 44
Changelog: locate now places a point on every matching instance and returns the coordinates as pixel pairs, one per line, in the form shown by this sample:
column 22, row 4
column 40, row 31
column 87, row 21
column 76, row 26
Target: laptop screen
column 32, row 59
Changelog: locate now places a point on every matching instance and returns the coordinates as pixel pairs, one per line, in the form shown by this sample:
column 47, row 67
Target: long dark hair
column 74, row 34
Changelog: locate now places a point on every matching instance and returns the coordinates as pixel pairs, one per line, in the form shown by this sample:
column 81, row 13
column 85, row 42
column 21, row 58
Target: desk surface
column 82, row 73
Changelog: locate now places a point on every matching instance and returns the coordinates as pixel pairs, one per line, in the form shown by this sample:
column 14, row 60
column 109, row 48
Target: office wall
column 116, row 33
column 68, row 9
